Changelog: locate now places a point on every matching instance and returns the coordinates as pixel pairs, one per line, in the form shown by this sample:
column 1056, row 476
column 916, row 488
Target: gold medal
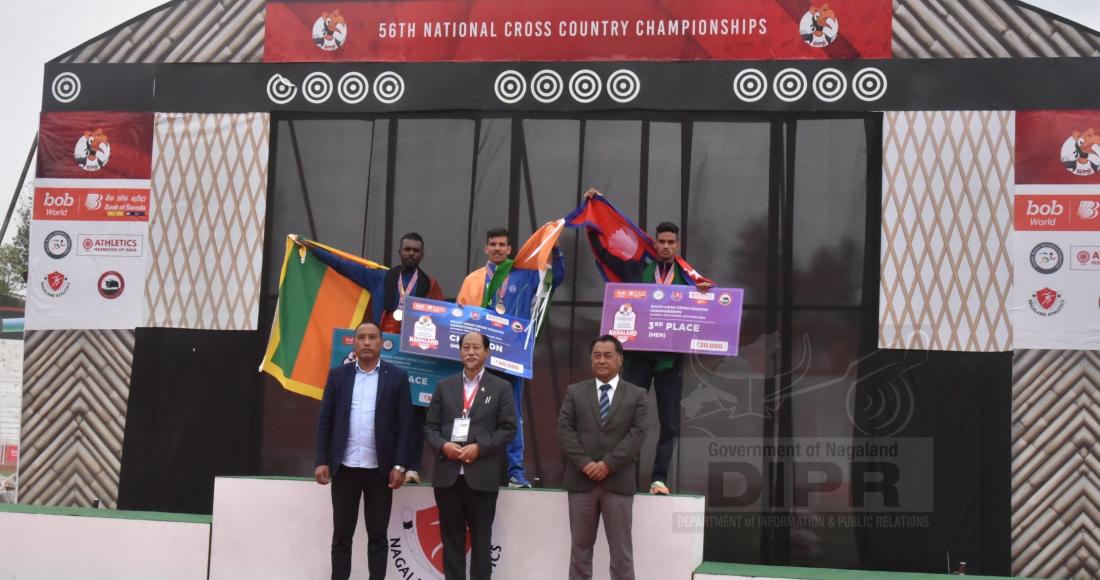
column 500, row 308
column 398, row 315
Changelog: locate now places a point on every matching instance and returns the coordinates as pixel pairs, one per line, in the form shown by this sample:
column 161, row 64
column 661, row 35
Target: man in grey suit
column 470, row 421
column 602, row 427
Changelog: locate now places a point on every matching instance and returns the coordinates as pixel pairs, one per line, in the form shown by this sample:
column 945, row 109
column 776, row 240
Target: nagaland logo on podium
column 417, row 548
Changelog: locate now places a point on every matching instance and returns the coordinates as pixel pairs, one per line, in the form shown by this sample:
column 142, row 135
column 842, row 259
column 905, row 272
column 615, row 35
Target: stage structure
column 907, row 191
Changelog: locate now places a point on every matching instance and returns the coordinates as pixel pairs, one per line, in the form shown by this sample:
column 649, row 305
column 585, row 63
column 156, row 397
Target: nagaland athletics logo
column 1046, row 302
column 111, row 284
column 55, row 284
column 819, row 26
column 1081, row 153
column 1046, row 258
column 93, row 150
column 330, row 31
column 417, row 549
column 58, row 244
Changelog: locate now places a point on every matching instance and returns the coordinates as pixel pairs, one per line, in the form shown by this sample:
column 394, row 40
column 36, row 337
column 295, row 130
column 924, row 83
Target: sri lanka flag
column 313, row 300
column 623, row 246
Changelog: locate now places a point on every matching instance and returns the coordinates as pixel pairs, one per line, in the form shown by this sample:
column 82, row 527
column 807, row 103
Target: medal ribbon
column 498, row 284
column 403, row 291
column 667, row 279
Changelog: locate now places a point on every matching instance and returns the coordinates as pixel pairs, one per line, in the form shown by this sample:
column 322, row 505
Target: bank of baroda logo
column 330, row 31
column 92, row 150
column 1081, row 153
column 819, row 26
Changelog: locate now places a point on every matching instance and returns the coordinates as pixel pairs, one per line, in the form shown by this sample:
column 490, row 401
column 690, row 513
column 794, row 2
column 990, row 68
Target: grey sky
column 72, row 22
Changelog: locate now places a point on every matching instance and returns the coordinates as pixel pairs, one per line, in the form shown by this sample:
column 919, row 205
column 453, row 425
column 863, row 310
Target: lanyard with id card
column 460, row 430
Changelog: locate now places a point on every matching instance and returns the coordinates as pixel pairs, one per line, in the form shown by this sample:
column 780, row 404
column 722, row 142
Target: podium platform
column 280, row 528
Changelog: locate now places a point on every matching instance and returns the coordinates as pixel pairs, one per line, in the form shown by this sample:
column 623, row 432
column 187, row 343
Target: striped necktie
column 605, row 403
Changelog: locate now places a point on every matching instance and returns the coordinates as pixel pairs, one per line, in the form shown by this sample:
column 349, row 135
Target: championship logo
column 1046, row 302
column 58, row 244
column 111, row 285
column 1081, row 153
column 330, row 31
column 1046, row 258
column 417, row 550
column 819, row 27
column 624, row 325
column 92, row 151
column 424, row 334
column 55, row 284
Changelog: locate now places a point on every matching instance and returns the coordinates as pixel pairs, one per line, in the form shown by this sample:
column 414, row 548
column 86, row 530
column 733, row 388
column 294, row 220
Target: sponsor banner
column 661, row 318
column 95, row 145
column 1057, row 213
column 1057, row 290
column 86, row 274
column 424, row 372
column 596, row 30
column 433, row 328
column 89, row 203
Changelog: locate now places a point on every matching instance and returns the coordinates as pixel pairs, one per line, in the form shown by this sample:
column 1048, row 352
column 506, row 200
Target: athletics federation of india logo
column 93, row 150
column 1081, row 153
column 417, row 549
column 330, row 31
column 819, row 26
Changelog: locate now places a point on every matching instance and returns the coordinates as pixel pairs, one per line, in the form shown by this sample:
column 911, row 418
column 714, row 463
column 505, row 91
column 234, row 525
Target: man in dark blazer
column 365, row 437
column 601, row 427
column 470, row 422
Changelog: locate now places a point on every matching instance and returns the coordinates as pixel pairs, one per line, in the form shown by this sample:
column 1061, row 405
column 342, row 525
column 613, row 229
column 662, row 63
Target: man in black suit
column 602, row 427
column 470, row 422
column 365, row 435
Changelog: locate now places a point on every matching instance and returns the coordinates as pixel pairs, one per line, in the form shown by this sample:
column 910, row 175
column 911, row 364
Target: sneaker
column 519, row 481
column 412, row 476
column 658, row 488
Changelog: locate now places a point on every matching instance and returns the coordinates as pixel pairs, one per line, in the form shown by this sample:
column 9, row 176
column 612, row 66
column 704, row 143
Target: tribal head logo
column 1081, row 153
column 92, row 151
column 819, row 26
column 330, row 31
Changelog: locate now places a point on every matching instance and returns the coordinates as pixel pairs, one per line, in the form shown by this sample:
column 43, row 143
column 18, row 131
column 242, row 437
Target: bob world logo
column 416, row 547
column 1081, row 153
column 330, row 31
column 819, row 26
column 92, row 151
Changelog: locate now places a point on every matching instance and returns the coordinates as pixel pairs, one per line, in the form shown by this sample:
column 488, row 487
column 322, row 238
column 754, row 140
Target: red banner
column 89, row 204
column 1058, row 147
column 95, row 145
column 576, row 30
column 10, row 455
column 1057, row 213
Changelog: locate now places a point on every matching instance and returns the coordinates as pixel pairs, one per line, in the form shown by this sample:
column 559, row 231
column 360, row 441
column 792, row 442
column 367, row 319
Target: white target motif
column 65, row 87
column 280, row 90
column 585, row 86
column 317, row 87
column 623, row 86
column 750, row 85
column 389, row 87
column 869, row 84
column 789, row 85
column 510, row 87
column 546, row 86
column 830, row 85
column 352, row 88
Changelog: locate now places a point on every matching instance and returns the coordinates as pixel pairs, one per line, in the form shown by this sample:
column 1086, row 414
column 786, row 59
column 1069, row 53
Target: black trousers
column 461, row 507
column 349, row 484
column 639, row 369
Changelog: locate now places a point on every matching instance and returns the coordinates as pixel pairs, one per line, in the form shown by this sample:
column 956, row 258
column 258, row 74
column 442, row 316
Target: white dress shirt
column 614, row 382
column 468, row 386
column 360, row 450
